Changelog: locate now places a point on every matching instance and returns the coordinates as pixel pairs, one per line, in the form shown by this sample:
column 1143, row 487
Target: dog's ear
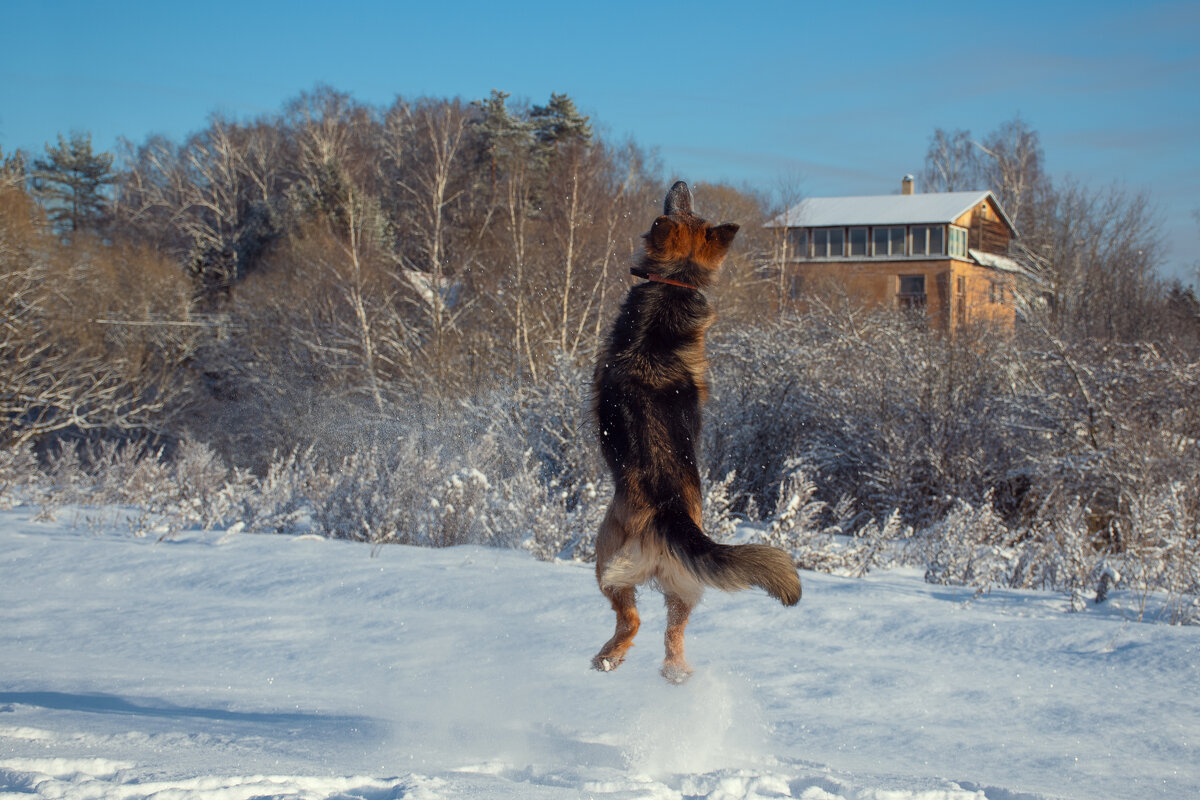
column 723, row 234
column 679, row 199
column 660, row 231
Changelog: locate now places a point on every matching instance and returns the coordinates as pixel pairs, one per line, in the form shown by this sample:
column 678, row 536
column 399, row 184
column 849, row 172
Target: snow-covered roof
column 1005, row 264
column 884, row 209
column 997, row 261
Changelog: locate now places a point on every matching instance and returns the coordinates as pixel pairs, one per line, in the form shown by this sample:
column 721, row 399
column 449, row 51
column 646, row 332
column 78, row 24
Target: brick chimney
column 906, row 185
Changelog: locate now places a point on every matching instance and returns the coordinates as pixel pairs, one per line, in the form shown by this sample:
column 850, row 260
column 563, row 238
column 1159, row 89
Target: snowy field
column 252, row 666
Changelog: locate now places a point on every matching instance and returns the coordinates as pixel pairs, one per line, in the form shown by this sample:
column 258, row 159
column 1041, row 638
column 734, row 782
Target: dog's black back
column 650, row 385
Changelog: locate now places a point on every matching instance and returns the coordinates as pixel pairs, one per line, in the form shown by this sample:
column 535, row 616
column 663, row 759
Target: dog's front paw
column 676, row 672
column 603, row 663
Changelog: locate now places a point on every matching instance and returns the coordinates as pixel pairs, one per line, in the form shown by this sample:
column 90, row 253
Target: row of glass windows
column 878, row 242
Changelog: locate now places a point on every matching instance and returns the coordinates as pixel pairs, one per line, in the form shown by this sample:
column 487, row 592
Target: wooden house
column 943, row 253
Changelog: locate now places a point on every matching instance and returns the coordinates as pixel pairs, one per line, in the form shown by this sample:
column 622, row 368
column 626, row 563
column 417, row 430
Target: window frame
column 926, row 234
column 866, row 241
column 957, row 235
column 912, row 299
column 996, row 293
column 889, row 231
column 800, row 242
column 826, row 250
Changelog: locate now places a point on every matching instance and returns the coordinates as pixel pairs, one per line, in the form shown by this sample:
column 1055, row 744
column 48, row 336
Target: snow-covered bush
column 822, row 537
column 971, row 546
column 877, row 544
column 1155, row 556
column 718, row 517
column 881, row 409
column 477, row 489
column 552, row 526
column 1161, row 538
column 209, row 492
column 1025, row 462
column 18, row 468
column 371, row 494
column 974, row 546
column 552, row 420
column 279, row 500
column 407, row 490
column 193, row 487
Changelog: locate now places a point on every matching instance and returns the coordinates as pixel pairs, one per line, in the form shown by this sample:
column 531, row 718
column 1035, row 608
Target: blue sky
column 836, row 98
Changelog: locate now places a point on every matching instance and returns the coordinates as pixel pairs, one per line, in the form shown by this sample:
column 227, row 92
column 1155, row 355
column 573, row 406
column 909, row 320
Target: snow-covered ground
column 250, row 666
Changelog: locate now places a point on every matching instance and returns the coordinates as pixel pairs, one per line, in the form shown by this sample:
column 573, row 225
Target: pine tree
column 504, row 137
column 12, row 169
column 559, row 122
column 70, row 182
column 1183, row 311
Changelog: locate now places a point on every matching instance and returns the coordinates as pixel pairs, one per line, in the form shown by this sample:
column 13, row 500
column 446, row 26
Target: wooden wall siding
column 981, row 285
column 986, row 231
column 877, row 283
column 989, row 235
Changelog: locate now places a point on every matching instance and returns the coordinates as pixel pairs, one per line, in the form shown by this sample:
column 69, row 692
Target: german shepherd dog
column 649, row 386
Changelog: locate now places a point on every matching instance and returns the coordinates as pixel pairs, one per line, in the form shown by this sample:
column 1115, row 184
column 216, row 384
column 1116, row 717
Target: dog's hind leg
column 624, row 603
column 675, row 668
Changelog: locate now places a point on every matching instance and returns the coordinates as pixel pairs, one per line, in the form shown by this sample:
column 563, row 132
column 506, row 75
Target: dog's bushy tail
column 728, row 567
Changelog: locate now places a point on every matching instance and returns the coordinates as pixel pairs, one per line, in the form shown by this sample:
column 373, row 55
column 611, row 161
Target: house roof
column 997, row 261
column 885, row 209
column 1003, row 264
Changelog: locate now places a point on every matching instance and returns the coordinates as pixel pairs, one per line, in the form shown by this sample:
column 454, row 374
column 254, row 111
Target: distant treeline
column 311, row 285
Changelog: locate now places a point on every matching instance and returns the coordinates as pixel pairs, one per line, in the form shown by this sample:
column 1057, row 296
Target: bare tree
column 508, row 144
column 951, row 163
column 211, row 202
column 618, row 215
column 427, row 145
column 336, row 151
column 743, row 289
column 1095, row 254
column 1196, row 263
column 786, row 199
column 1008, row 161
column 584, row 197
column 92, row 337
column 518, row 199
column 1011, row 167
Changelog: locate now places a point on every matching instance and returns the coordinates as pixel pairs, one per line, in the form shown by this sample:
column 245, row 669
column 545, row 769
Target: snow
column 228, row 665
column 882, row 209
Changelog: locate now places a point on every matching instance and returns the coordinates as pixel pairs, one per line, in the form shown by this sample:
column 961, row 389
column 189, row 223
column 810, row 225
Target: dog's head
column 682, row 245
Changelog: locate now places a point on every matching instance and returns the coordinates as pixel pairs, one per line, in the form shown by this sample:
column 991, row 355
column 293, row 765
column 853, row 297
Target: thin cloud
column 816, row 172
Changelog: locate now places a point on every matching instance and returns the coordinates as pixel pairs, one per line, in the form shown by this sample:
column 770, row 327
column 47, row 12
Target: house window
column 927, row 240
column 958, row 242
column 960, row 303
column 912, row 291
column 889, row 241
column 858, row 241
column 829, row 242
column 798, row 242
